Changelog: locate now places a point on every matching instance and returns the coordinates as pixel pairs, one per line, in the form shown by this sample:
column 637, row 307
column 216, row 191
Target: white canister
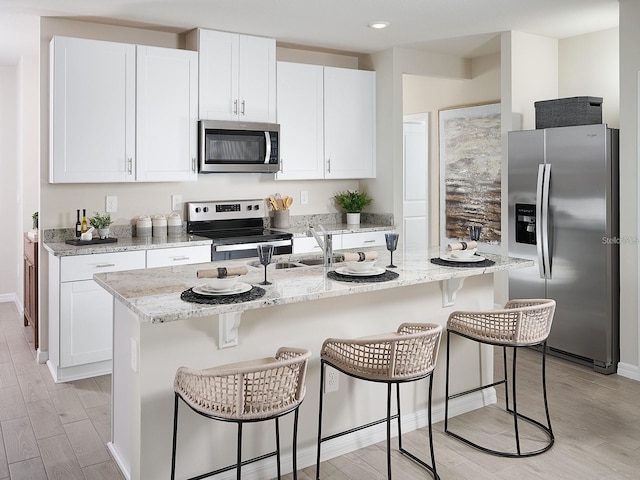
column 143, row 226
column 159, row 224
column 174, row 224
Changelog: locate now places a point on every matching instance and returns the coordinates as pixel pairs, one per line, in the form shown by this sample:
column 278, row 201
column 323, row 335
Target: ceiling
column 459, row 27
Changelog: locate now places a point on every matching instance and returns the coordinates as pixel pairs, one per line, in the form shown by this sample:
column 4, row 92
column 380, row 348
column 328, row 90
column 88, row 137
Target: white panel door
column 92, row 114
column 257, row 79
column 218, row 67
column 167, row 103
column 86, row 317
column 415, row 183
column 349, row 123
column 300, row 115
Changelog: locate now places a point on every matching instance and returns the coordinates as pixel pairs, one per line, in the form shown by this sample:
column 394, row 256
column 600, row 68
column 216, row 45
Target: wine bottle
column 78, row 224
column 84, row 225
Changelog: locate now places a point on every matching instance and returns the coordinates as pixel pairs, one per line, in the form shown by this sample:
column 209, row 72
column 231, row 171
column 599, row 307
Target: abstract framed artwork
column 470, row 171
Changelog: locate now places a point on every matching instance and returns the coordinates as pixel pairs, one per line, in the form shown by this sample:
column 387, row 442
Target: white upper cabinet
column 349, row 123
column 327, row 122
column 300, row 115
column 121, row 113
column 92, row 111
column 237, row 77
column 166, row 122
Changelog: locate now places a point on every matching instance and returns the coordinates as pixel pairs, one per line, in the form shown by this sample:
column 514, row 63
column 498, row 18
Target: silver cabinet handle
column 242, row 108
column 130, row 165
column 369, row 241
column 193, row 164
column 105, row 265
column 235, row 106
column 179, row 259
column 329, row 165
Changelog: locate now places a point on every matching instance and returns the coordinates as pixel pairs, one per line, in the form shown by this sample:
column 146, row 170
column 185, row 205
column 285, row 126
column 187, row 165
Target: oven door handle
column 248, row 246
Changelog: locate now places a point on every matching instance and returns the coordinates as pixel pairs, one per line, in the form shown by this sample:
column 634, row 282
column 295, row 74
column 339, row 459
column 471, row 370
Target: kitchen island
column 155, row 332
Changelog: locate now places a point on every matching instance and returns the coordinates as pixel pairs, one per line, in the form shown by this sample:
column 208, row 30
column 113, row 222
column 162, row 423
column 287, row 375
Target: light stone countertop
column 126, row 244
column 154, row 294
column 337, row 228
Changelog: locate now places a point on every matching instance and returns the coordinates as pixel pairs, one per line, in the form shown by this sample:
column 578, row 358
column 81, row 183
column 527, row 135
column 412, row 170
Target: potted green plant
column 353, row 202
column 101, row 224
column 34, row 220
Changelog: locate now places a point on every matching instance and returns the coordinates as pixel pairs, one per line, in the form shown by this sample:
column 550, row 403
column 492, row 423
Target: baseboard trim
column 12, row 298
column 349, row 443
column 41, row 356
column 629, row 370
column 111, row 448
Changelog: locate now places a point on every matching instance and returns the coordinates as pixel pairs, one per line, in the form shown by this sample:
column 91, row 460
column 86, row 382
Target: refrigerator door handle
column 544, row 226
column 539, row 195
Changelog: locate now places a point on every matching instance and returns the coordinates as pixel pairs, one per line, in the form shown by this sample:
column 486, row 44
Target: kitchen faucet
column 326, row 245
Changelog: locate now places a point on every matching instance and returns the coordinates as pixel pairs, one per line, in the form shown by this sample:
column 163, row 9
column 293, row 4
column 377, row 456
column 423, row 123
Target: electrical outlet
column 331, row 379
column 111, row 204
column 304, row 197
column 176, row 203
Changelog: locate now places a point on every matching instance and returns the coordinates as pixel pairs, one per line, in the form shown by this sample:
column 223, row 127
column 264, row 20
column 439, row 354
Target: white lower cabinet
column 363, row 239
column 81, row 312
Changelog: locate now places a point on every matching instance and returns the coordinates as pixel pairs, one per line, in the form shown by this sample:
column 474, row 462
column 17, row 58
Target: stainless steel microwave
column 238, row 147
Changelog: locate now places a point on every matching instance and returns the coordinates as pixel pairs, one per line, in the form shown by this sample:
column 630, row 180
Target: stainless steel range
column 236, row 228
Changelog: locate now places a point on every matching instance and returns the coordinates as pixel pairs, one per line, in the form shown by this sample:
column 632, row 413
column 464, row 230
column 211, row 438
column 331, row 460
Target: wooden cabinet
column 327, row 122
column 237, row 77
column 30, row 291
column 121, row 112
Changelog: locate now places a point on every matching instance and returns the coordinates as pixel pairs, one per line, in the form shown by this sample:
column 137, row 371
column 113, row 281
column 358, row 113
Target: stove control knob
column 256, row 207
column 205, row 209
column 197, row 209
column 249, row 207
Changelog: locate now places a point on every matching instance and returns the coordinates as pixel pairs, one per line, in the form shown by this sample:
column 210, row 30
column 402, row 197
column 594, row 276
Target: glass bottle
column 78, row 224
column 84, row 226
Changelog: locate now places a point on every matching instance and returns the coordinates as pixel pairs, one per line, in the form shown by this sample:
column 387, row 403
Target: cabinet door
column 300, row 115
column 218, row 62
column 92, row 123
column 166, row 108
column 257, row 79
column 86, row 316
column 167, row 257
column 349, row 123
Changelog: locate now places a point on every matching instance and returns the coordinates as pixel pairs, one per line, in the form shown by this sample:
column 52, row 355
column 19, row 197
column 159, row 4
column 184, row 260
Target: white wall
column 629, row 227
column 589, row 65
column 10, row 205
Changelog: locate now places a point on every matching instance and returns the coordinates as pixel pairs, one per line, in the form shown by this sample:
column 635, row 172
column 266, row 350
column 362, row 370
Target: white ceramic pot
column 353, row 219
column 103, row 232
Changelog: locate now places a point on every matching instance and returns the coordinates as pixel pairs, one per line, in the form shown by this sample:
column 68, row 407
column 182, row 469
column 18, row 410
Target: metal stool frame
column 407, row 355
column 513, row 410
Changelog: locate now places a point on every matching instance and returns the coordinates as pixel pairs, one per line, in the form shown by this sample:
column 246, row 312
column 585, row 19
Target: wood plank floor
column 59, row 431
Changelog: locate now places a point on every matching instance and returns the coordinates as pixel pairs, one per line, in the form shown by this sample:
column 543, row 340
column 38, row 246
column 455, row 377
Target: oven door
column 238, row 147
column 248, row 250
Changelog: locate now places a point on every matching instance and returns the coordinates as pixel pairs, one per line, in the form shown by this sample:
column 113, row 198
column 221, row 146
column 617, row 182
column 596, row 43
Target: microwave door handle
column 267, row 155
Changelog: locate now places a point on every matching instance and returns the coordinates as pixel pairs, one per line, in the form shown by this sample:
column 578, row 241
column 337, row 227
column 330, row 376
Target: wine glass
column 474, row 232
column 265, row 252
column 392, row 244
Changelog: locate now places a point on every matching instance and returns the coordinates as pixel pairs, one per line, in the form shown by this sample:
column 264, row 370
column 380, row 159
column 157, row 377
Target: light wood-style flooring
column 59, row 431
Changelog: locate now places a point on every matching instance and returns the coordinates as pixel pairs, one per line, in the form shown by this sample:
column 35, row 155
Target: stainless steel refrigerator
column 563, row 215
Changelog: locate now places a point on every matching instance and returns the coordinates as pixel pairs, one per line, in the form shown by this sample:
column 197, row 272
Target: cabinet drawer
column 167, row 257
column 309, row 244
column 83, row 267
column 363, row 239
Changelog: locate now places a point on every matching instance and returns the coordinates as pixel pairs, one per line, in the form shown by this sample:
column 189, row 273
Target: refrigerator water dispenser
column 526, row 223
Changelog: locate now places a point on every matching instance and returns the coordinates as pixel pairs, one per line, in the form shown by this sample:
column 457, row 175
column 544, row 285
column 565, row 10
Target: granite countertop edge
column 126, row 244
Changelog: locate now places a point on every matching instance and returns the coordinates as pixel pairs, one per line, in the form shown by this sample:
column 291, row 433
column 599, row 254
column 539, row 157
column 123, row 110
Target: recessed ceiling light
column 378, row 24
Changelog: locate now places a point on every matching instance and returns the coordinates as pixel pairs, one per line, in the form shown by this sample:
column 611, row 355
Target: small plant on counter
column 100, row 221
column 353, row 201
column 34, row 220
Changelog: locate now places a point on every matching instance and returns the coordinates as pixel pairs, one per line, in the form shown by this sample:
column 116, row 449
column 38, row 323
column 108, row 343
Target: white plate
column 237, row 289
column 451, row 258
column 368, row 273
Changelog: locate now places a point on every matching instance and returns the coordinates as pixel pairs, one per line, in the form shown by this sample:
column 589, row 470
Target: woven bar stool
column 404, row 356
column 522, row 323
column 252, row 391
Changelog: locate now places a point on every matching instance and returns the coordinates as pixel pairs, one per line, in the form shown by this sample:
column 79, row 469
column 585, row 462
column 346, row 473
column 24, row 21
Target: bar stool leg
column 389, row 431
column 278, row 447
column 295, row 445
column 239, row 453
column 430, row 420
column 175, row 437
column 446, row 386
column 515, row 405
column 322, row 367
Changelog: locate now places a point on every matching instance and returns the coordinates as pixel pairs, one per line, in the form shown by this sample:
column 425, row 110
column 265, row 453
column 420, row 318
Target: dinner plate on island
column 361, row 273
column 450, row 258
column 237, row 289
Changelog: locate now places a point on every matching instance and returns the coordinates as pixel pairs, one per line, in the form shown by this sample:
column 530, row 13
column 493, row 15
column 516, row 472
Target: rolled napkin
column 222, row 272
column 355, row 257
column 471, row 244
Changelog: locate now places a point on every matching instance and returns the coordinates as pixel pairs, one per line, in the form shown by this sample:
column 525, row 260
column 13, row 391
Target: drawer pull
column 105, row 265
column 369, row 241
column 178, row 259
